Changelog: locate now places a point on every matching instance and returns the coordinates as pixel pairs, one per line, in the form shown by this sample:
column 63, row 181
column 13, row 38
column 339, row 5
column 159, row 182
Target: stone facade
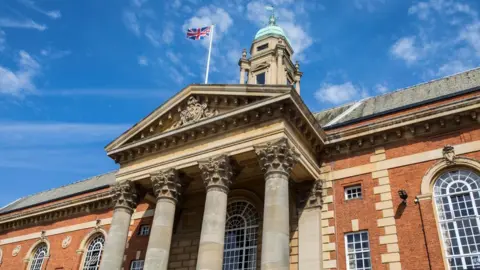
column 219, row 165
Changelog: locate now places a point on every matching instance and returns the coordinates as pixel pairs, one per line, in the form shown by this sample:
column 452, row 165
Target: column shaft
column 276, row 226
column 210, row 253
column 217, row 175
column 112, row 258
column 158, row 249
column 125, row 199
column 242, row 76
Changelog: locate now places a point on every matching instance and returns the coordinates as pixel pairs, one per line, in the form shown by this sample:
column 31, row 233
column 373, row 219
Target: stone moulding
column 56, row 211
column 418, row 123
column 287, row 106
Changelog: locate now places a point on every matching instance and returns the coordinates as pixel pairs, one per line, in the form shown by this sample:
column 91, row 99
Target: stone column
column 217, row 175
column 167, row 187
column 276, row 160
column 310, row 229
column 125, row 199
column 242, row 75
column 280, row 68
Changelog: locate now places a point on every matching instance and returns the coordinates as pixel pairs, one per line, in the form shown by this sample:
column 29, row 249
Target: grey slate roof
column 90, row 184
column 403, row 98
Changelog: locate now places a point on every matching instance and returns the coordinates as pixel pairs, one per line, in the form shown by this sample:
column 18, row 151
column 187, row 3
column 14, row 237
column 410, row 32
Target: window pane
column 358, row 251
column 261, row 78
column 456, row 198
column 94, row 253
column 241, row 231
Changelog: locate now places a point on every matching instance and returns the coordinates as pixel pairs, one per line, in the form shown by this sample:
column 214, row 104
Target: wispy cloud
column 3, row 41
column 46, row 146
column 26, row 24
column 54, row 54
column 19, row 82
column 339, row 93
column 53, row 14
column 369, row 5
column 142, row 60
column 25, row 134
column 447, row 39
column 110, row 93
column 131, row 22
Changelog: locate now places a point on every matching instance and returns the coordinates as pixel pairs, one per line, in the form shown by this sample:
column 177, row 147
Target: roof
column 409, row 97
column 83, row 186
column 272, row 29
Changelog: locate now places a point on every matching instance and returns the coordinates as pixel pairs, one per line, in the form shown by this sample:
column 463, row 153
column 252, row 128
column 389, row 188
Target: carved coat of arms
column 449, row 154
column 194, row 112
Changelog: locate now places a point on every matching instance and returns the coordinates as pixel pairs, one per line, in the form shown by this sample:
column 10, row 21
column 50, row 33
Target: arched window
column 39, row 256
column 94, row 253
column 457, row 199
column 241, row 231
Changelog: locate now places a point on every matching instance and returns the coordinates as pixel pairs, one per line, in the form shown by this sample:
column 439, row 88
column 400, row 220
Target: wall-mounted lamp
column 403, row 195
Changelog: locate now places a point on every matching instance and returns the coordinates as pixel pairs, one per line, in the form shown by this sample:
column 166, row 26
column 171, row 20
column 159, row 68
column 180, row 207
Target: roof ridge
column 66, row 185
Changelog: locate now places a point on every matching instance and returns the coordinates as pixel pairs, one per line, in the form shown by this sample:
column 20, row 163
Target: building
column 245, row 176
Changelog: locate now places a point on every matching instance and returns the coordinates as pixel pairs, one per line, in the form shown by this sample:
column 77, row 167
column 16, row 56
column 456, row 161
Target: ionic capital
column 125, row 195
column 277, row 157
column 167, row 184
column 217, row 172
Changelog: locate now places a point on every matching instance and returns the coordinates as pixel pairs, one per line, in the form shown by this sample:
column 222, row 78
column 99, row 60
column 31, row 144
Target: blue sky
column 76, row 74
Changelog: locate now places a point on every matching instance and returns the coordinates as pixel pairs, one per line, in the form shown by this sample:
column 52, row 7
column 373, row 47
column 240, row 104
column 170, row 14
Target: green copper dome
column 272, row 29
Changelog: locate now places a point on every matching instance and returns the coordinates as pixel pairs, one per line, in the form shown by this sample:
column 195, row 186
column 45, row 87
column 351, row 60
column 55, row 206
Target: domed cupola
column 270, row 60
column 272, row 29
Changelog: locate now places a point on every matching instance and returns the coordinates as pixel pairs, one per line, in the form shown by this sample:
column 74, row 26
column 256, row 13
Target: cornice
column 287, row 106
column 55, row 211
column 429, row 121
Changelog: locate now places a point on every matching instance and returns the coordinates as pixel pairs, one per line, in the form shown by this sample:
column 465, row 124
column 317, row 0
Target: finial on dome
column 272, row 20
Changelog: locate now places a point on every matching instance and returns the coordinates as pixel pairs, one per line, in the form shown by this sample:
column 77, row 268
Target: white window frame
column 38, row 256
column 356, row 186
column 359, row 251
column 144, row 230
column 250, row 229
column 445, row 218
column 95, row 245
column 137, row 265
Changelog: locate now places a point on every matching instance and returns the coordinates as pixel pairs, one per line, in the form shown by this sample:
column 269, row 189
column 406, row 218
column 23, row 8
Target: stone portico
column 216, row 142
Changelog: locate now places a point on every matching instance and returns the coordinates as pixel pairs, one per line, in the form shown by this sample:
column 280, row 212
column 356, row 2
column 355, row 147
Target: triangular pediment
column 195, row 104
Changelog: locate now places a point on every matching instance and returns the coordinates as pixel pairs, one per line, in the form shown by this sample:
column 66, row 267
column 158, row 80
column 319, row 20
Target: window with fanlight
column 39, row 255
column 241, row 237
column 457, row 198
column 94, row 253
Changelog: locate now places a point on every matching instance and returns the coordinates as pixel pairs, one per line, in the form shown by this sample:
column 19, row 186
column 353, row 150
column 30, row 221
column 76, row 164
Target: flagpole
column 209, row 53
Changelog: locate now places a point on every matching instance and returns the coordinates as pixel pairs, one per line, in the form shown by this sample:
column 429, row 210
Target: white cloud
column 53, row 14
column 175, row 58
column 26, row 24
column 21, row 81
column 167, row 36
column 207, row 16
column 154, row 36
column 381, row 88
column 339, row 93
column 20, row 133
column 447, row 39
column 110, row 93
column 299, row 38
column 453, row 67
column 54, row 54
column 368, row 5
column 131, row 22
column 406, row 49
column 142, row 61
column 471, row 34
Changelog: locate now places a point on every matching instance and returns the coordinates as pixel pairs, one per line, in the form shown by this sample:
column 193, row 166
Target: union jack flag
column 198, row 33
